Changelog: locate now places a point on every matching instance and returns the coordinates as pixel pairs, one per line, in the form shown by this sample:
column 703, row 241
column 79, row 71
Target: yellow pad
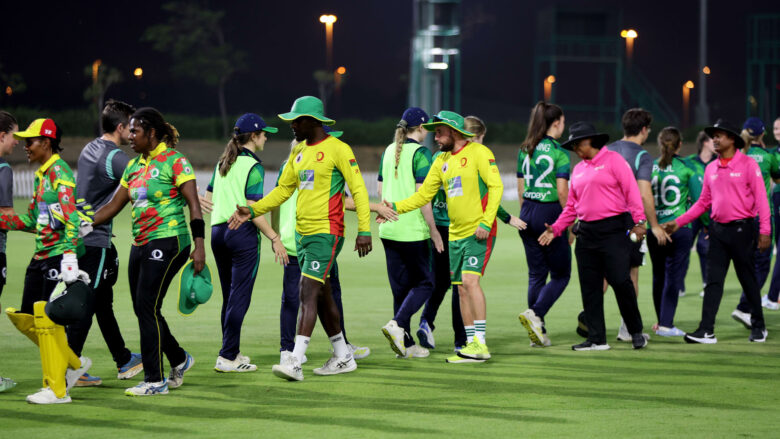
column 56, row 355
column 23, row 322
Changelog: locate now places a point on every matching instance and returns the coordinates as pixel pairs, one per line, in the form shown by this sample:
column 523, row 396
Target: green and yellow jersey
column 540, row 170
column 319, row 173
column 672, row 188
column 51, row 212
column 473, row 188
column 153, row 185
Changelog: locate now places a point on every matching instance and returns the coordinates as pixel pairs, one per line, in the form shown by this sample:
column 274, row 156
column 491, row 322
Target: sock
column 469, row 333
column 301, row 343
column 340, row 349
column 479, row 330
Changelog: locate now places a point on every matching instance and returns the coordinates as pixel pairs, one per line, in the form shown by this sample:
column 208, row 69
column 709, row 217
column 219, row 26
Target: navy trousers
column 237, row 253
column 668, row 272
column 291, row 301
column 442, row 282
column 553, row 260
column 410, row 271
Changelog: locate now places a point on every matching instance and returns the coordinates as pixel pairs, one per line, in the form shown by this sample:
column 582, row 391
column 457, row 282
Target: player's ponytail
column 542, row 117
column 230, row 154
column 401, row 134
column 149, row 118
column 669, row 142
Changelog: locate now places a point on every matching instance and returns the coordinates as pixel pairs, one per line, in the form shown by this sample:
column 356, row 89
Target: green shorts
column 469, row 255
column 317, row 253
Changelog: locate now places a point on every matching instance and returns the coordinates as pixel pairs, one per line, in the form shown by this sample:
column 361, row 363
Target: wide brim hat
column 583, row 130
column 194, row 289
column 450, row 119
column 307, row 106
column 724, row 125
column 39, row 128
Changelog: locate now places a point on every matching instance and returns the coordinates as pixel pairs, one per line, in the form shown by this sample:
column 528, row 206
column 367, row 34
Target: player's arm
column 562, row 172
column 643, row 177
column 206, row 204
column 488, row 171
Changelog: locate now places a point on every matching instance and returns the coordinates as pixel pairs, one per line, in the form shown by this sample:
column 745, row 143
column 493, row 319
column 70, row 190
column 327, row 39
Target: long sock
column 479, row 330
column 339, row 345
column 469, row 333
column 301, row 344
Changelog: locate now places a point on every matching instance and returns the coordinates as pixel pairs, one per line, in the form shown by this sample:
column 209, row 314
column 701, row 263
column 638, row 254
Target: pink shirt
column 601, row 188
column 734, row 191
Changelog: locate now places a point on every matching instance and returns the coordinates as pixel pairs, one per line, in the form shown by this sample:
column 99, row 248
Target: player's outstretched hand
column 548, row 235
column 205, row 204
column 386, row 212
column 240, row 216
column 363, row 245
column 517, row 223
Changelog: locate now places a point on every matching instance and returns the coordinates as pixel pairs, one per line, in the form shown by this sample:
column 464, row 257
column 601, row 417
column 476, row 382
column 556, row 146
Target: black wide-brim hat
column 583, row 130
column 724, row 125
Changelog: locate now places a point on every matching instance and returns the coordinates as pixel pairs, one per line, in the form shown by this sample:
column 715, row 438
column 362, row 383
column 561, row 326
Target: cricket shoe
column 176, row 377
column 545, row 342
column 758, row 335
column 284, row 354
column 395, row 335
column 358, row 352
column 700, row 336
column 588, row 345
column 146, row 388
column 73, row 375
column 289, row 368
column 638, row 340
column 336, row 365
column 455, row 359
column 425, row 335
column 47, row 396
column 768, row 304
column 623, row 334
column 663, row 331
column 88, row 380
column 6, row 384
column 415, row 351
column 475, row 350
column 742, row 317
column 533, row 324
column 225, row 365
column 131, row 368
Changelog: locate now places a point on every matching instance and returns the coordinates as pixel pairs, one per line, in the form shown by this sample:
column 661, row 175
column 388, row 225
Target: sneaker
column 47, row 396
column 395, row 335
column 663, row 331
column 742, row 317
column 225, row 365
column 456, row 359
column 582, row 327
column 176, row 377
column 457, row 349
column 243, row 358
column 145, row 388
column 681, row 293
column 475, row 350
column 131, row 368
column 6, row 384
column 336, row 365
column 700, row 336
column 768, row 304
column 425, row 335
column 415, row 351
column 545, row 342
column 88, row 380
column 282, row 355
column 758, row 335
column 638, row 340
column 358, row 352
column 588, row 345
column 533, row 324
column 73, row 375
column 289, row 368
column 623, row 334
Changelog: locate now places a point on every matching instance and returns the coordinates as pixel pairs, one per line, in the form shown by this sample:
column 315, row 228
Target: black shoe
column 758, row 335
column 588, row 345
column 582, row 328
column 638, row 340
column 700, row 336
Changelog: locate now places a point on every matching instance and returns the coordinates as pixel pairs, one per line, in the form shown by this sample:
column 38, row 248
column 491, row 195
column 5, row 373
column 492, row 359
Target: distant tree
column 103, row 77
column 193, row 36
column 10, row 84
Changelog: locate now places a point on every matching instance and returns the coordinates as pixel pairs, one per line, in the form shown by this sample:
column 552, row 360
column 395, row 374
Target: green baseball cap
column 307, row 106
column 194, row 289
column 449, row 118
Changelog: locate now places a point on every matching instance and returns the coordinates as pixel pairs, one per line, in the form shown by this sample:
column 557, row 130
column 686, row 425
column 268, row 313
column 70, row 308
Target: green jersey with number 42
column 540, row 171
column 671, row 189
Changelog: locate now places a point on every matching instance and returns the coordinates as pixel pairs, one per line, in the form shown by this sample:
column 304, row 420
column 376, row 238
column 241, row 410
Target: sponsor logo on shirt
column 454, row 187
column 315, row 266
column 758, row 173
column 535, row 195
column 738, row 174
column 463, row 162
column 157, row 255
column 320, row 156
column 306, row 179
column 140, row 198
column 598, row 168
column 472, row 261
column 53, row 274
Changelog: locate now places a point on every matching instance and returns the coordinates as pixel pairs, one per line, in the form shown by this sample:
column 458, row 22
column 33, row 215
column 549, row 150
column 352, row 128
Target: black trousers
column 735, row 241
column 151, row 268
column 40, row 279
column 603, row 251
column 102, row 265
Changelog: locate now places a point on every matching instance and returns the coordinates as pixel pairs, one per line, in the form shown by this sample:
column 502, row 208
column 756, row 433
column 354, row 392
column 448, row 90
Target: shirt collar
column 47, row 165
column 736, row 158
column 598, row 155
column 408, row 140
column 161, row 147
column 250, row 153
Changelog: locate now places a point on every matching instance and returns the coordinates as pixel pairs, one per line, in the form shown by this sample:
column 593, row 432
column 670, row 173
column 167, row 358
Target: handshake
column 384, row 212
column 670, row 226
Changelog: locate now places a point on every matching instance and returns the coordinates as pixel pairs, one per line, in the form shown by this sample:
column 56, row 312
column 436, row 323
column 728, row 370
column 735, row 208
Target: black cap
column 724, row 125
column 583, row 130
column 71, row 305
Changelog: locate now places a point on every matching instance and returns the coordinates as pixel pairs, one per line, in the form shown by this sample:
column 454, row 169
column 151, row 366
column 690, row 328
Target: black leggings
column 151, row 268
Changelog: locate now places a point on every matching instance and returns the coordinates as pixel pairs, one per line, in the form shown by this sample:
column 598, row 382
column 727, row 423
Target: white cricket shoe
column 533, row 324
column 289, row 368
column 395, row 335
column 336, row 365
column 742, row 317
column 146, row 388
column 768, row 304
column 47, row 396
column 225, row 365
column 359, row 352
column 415, row 351
column 73, row 375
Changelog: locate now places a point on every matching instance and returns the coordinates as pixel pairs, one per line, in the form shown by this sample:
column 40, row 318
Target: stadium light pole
column 686, row 97
column 548, row 82
column 702, row 110
column 328, row 20
column 629, row 35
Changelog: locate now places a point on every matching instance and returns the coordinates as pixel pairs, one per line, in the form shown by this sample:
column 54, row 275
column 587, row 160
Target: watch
column 640, row 223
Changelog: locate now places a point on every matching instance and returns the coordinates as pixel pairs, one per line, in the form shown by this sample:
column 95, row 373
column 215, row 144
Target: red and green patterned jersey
column 52, row 211
column 319, row 172
column 153, row 185
column 472, row 185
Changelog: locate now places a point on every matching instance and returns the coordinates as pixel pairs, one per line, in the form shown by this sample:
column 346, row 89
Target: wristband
column 198, row 228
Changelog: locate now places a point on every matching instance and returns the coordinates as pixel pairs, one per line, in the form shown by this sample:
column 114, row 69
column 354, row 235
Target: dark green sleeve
column 421, row 163
column 503, row 215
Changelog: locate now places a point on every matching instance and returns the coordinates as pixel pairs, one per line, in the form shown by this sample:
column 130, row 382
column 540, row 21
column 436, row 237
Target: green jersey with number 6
column 671, row 188
column 540, row 170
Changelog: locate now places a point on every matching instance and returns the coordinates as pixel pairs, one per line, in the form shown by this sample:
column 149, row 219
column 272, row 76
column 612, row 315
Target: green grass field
column 669, row 389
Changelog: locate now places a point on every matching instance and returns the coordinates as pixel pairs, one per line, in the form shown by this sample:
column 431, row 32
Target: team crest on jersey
column 444, row 167
column 298, row 158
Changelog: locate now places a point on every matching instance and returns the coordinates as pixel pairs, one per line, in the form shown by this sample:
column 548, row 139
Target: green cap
column 449, row 118
column 307, row 106
column 194, row 289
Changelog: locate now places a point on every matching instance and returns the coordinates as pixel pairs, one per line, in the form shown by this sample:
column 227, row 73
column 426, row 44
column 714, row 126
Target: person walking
column 770, row 300
column 735, row 191
column 160, row 182
column 8, row 126
column 604, row 198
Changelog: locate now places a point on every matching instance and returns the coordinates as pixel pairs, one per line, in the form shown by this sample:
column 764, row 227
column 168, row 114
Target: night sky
column 50, row 43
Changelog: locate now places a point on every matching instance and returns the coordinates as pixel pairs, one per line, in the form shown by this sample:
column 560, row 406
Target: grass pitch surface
column 669, row 389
